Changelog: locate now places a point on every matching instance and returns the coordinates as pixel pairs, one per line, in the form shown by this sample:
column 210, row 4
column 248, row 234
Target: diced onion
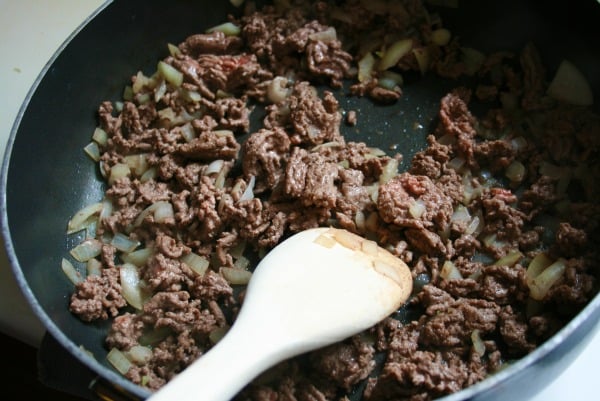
column 541, row 284
column 277, row 90
column 163, row 212
column 416, row 209
column 510, row 259
column 236, row 276
column 537, row 265
column 170, row 73
column 138, row 163
column 328, row 35
column 139, row 354
column 81, row 219
column 515, row 171
column 478, row 345
column 197, row 263
column 173, row 50
column 100, row 136
column 72, row 274
column 165, row 207
column 441, row 37
column 389, row 171
column 154, row 336
column 241, row 262
column 123, row 243
column 423, row 56
column 570, row 85
column 473, row 59
column 93, row 267
column 365, row 67
column 214, row 167
column 249, row 191
column 119, row 361
column 90, row 248
column 394, row 53
column 228, row 28
column 118, row 171
column 450, row 271
column 138, row 257
column 188, row 132
column 93, row 151
column 131, row 285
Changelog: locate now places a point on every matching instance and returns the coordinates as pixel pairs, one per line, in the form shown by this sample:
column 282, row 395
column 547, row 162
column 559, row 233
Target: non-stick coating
column 46, row 177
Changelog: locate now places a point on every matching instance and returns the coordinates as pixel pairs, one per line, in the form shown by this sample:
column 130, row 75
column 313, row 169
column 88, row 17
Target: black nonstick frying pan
column 46, row 177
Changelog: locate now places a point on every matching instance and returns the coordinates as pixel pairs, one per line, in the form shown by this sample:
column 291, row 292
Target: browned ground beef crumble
column 453, row 210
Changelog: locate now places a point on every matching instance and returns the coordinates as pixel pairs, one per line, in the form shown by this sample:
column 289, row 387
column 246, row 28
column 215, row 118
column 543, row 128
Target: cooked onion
column 72, row 274
column 90, row 248
column 542, row 283
column 394, row 53
column 217, row 334
column 119, row 361
column 139, row 354
column 450, row 271
column 170, row 73
column 123, row 243
column 131, row 285
column 277, row 90
column 93, row 151
column 478, row 345
column 236, row 276
column 118, row 171
column 197, row 263
column 82, row 218
column 93, row 267
column 365, row 67
column 138, row 257
column 571, row 86
column 510, row 259
column 228, row 28
column 249, row 191
column 417, row 208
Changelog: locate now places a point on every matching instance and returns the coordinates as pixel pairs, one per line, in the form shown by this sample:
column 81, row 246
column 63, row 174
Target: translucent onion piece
column 541, row 284
column 72, row 274
column 140, row 82
column 510, row 259
column 417, row 209
column 249, row 191
column 423, row 56
column 148, row 211
column 138, row 257
column 118, row 171
column 160, row 90
column 214, row 167
column 450, row 271
column 461, row 215
column 173, row 49
column 139, row 354
column 441, row 37
column 93, row 267
column 170, row 73
column 236, row 3
column 515, row 171
column 389, row 171
column 188, row 132
column 197, row 263
column 394, row 53
column 236, row 276
column 131, row 286
column 107, row 209
column 478, row 345
column 81, row 219
column 277, row 90
column 473, row 59
column 100, row 136
column 150, row 174
column 228, row 28
column 241, row 263
column 155, row 336
column 93, row 151
column 138, row 163
column 570, row 85
column 537, row 265
column 123, row 243
column 163, row 212
column 88, row 249
column 328, row 35
column 475, row 226
column 119, row 361
column 365, row 67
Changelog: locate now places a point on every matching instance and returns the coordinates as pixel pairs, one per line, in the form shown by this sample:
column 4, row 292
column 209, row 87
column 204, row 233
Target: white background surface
column 30, row 33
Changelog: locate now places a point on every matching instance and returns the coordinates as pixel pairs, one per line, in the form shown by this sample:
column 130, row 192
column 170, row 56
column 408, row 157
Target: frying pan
column 46, row 177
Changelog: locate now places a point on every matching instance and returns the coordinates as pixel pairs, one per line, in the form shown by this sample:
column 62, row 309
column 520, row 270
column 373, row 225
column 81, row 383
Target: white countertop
column 30, row 32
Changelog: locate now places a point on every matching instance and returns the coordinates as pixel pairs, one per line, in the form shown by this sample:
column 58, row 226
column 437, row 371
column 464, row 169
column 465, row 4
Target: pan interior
column 47, row 176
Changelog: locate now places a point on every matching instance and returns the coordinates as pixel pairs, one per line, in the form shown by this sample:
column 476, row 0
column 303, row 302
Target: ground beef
column 201, row 192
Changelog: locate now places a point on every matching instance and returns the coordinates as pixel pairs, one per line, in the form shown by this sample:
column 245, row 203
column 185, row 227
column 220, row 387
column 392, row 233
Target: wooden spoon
column 318, row 287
